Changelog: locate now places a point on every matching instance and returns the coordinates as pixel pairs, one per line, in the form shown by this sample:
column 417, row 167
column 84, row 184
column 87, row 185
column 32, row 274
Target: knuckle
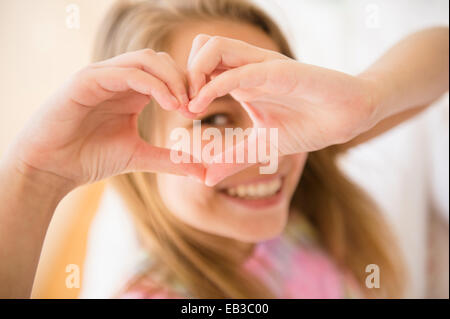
column 159, row 87
column 216, row 40
column 191, row 68
column 166, row 56
column 84, row 81
column 133, row 73
column 163, row 54
column 146, row 53
column 95, row 65
column 82, row 74
column 201, row 37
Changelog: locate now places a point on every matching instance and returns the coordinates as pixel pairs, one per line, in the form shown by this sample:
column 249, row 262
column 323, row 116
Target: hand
column 312, row 107
column 88, row 130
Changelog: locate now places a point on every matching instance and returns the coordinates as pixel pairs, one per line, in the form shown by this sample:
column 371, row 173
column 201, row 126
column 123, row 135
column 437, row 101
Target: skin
column 206, row 208
column 312, row 107
column 86, row 131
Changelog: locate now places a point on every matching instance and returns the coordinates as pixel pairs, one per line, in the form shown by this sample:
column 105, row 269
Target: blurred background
column 406, row 170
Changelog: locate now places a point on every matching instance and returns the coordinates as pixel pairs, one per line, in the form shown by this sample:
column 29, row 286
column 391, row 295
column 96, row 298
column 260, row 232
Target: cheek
column 300, row 160
column 296, row 163
column 184, row 197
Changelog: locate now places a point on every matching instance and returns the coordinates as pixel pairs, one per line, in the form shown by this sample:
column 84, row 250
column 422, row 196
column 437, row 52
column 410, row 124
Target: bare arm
column 411, row 75
column 315, row 107
column 84, row 133
column 28, row 198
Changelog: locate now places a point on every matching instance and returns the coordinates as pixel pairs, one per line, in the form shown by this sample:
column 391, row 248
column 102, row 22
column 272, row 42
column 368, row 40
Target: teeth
column 258, row 190
column 241, row 191
column 252, row 190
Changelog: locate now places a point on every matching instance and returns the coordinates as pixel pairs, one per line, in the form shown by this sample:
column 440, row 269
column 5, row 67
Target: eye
column 219, row 119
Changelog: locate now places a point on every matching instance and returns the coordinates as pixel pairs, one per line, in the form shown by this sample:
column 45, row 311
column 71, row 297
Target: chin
column 253, row 227
column 248, row 207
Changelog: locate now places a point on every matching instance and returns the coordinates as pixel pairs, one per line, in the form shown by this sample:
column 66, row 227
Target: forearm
column 28, row 198
column 411, row 74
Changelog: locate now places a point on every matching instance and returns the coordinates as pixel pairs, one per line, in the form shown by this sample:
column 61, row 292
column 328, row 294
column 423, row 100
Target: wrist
column 34, row 182
column 379, row 104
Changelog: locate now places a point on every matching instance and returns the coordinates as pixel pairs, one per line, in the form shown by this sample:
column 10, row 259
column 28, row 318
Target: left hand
column 312, row 107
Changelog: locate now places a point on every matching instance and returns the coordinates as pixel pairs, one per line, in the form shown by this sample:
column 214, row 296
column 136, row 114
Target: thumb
column 255, row 149
column 233, row 160
column 218, row 172
column 150, row 158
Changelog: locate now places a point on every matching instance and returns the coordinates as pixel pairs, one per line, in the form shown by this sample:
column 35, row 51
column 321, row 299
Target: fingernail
column 191, row 105
column 195, row 178
column 209, row 183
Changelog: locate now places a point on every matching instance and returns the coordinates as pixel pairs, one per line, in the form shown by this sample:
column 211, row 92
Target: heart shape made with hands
column 309, row 106
column 212, row 58
column 261, row 81
column 148, row 73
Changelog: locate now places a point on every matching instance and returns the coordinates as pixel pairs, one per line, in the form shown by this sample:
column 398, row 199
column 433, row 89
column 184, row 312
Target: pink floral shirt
column 291, row 265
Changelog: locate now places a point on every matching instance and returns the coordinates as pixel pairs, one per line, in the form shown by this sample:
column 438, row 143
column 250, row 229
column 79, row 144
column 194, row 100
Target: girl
column 305, row 231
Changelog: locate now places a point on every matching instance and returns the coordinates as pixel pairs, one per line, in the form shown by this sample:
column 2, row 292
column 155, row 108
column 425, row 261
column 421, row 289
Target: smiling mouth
column 255, row 191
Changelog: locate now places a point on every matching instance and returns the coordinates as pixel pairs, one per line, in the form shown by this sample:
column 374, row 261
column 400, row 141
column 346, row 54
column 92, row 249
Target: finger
column 186, row 113
column 183, row 109
column 197, row 44
column 261, row 146
column 247, row 76
column 129, row 102
column 158, row 64
column 218, row 172
column 182, row 84
column 233, row 160
column 106, row 82
column 225, row 53
column 151, row 158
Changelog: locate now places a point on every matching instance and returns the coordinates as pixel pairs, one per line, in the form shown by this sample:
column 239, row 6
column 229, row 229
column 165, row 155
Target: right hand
column 311, row 107
column 88, row 130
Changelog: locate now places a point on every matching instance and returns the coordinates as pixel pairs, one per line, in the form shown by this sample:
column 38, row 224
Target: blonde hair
column 349, row 225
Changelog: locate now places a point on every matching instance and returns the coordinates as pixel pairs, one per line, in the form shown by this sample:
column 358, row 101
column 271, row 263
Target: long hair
column 349, row 225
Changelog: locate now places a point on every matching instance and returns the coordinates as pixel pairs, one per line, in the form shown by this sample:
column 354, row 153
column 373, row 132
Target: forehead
column 181, row 38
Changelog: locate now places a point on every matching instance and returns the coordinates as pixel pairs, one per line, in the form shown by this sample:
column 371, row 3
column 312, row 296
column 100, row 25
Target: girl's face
column 247, row 206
